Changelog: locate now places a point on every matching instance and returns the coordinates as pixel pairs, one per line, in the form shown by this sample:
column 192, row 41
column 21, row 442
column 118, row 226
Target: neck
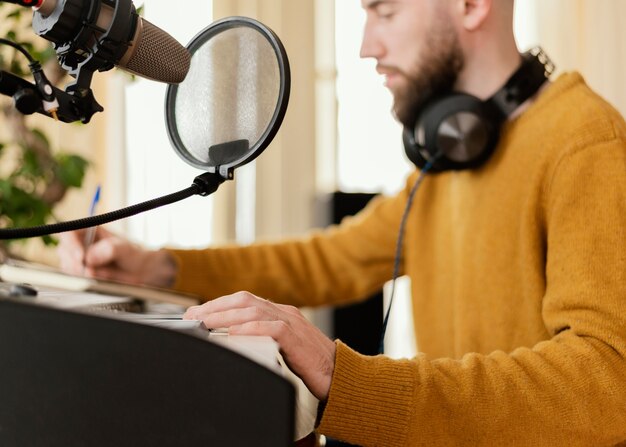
column 482, row 82
column 491, row 54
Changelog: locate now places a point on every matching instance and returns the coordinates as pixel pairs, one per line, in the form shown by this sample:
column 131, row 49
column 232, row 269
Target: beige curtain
column 588, row 36
column 285, row 172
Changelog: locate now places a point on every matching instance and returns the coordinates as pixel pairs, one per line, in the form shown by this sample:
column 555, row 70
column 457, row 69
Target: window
column 370, row 152
column 153, row 167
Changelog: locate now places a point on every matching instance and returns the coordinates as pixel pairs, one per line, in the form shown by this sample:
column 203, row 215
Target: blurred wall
column 585, row 35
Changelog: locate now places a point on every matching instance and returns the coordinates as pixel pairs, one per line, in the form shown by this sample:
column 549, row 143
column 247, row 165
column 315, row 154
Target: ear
column 474, row 13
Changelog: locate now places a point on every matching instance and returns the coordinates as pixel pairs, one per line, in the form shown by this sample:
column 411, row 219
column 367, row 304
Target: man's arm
column 341, row 264
column 345, row 263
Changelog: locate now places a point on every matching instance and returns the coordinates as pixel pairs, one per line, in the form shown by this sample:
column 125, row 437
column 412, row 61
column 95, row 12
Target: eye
column 385, row 11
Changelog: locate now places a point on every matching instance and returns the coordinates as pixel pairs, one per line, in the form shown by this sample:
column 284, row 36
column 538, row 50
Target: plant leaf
column 71, row 169
column 41, row 136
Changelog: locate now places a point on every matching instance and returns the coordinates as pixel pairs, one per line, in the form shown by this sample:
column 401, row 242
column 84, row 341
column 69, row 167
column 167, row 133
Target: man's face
column 417, row 49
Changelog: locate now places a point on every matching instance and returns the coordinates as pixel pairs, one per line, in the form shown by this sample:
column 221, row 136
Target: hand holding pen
column 115, row 258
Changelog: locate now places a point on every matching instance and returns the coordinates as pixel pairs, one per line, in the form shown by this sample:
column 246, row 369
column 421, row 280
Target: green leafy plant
column 34, row 176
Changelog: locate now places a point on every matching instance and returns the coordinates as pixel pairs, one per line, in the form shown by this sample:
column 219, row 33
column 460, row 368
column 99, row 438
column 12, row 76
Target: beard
column 440, row 63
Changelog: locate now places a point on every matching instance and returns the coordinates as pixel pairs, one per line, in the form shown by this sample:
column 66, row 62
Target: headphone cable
column 396, row 263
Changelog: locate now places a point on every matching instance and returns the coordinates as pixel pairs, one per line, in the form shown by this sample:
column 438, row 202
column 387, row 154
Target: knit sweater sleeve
column 569, row 390
column 345, row 263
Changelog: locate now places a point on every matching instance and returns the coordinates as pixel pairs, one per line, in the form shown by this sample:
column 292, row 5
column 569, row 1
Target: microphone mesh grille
column 159, row 56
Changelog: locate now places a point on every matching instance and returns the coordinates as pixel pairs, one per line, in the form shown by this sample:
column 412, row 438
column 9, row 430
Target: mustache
column 389, row 69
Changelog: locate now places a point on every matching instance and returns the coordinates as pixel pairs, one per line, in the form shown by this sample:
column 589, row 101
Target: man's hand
column 307, row 351
column 113, row 257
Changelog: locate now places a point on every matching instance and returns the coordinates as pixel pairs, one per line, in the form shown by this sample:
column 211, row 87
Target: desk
column 73, row 378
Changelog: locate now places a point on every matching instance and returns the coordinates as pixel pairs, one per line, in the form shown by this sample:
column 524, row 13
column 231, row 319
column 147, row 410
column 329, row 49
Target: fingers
column 103, row 233
column 102, row 252
column 277, row 329
column 237, row 317
column 71, row 250
column 237, row 300
column 109, row 249
column 307, row 351
column 232, row 310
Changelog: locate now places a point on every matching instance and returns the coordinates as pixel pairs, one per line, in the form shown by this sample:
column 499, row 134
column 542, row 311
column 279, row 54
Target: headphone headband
column 535, row 69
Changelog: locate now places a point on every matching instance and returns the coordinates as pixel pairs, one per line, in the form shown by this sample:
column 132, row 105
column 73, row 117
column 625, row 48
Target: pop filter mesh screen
column 230, row 93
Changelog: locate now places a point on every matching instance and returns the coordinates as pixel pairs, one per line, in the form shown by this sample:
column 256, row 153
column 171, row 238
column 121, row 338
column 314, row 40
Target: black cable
column 203, row 185
column 101, row 219
column 19, row 48
column 396, row 263
column 35, row 67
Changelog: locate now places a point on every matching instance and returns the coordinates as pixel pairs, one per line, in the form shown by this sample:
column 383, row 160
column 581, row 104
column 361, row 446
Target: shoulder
column 574, row 116
column 567, row 118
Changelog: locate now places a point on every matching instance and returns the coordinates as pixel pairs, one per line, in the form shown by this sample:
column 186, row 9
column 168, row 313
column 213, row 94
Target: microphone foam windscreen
column 159, row 56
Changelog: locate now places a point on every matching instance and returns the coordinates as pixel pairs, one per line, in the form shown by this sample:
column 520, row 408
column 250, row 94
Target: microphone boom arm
column 72, row 107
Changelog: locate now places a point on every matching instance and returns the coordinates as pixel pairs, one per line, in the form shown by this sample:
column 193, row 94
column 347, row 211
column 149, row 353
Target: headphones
column 460, row 131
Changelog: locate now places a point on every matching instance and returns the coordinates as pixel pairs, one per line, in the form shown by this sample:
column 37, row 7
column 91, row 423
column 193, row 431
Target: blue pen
column 94, row 201
column 91, row 231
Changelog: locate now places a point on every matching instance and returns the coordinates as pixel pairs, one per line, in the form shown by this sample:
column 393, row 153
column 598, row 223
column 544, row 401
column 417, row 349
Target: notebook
column 21, row 272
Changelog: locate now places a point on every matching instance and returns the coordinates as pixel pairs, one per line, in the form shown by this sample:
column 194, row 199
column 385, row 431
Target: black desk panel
column 79, row 379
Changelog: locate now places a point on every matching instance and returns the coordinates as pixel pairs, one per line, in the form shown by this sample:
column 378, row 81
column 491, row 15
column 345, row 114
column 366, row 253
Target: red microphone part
column 27, row 3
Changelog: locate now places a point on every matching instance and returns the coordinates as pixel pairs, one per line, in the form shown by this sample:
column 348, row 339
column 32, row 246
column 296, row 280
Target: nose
column 371, row 46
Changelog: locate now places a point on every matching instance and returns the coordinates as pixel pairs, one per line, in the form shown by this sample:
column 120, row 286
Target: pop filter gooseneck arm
column 203, row 185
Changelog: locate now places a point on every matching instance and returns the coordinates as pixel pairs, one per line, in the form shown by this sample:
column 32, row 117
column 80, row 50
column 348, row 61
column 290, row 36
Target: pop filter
column 233, row 100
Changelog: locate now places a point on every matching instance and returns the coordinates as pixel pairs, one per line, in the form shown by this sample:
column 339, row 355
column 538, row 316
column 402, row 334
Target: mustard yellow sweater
column 518, row 276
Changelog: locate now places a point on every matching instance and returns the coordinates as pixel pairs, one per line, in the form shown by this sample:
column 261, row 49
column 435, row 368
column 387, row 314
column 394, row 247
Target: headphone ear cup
column 412, row 149
column 459, row 130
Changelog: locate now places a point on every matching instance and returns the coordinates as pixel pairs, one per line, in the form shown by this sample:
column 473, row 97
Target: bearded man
column 517, row 265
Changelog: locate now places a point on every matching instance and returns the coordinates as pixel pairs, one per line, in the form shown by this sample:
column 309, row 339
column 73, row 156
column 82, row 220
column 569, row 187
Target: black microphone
column 90, row 35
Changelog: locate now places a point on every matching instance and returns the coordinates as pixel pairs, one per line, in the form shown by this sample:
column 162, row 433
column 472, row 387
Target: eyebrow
column 375, row 3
